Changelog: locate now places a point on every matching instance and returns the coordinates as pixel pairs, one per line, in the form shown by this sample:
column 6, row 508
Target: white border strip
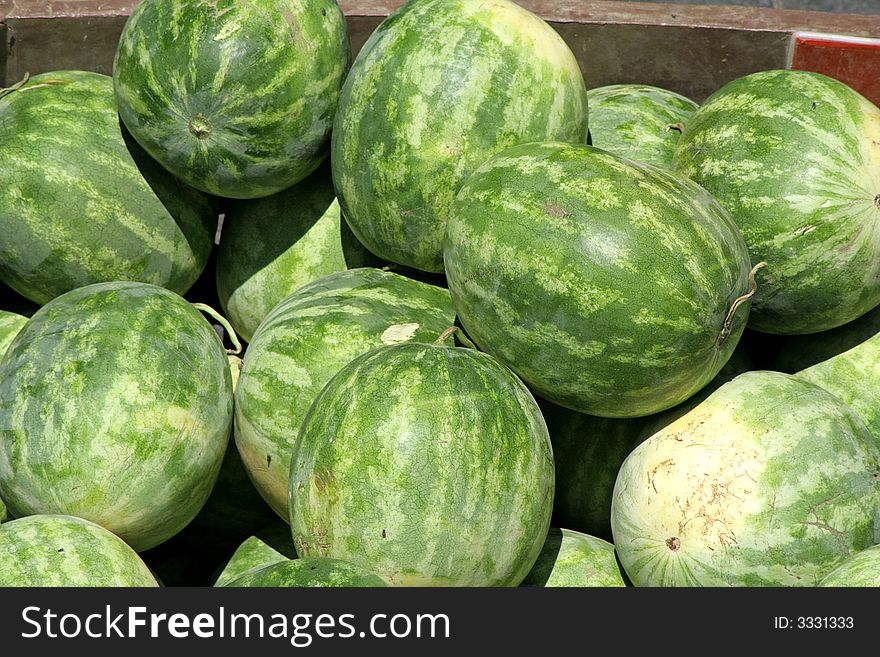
column 839, row 38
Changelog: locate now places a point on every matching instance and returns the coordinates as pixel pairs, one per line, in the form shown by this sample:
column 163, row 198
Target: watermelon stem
column 445, row 335
column 205, row 308
column 877, row 200
column 8, row 90
column 462, row 336
column 728, row 320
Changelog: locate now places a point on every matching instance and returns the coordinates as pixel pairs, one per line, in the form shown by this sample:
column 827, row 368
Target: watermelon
column 81, row 203
column 315, row 572
column 115, row 406
column 58, row 550
column 3, row 512
column 10, row 324
column 439, row 87
column 573, row 559
column 427, row 464
column 638, row 121
column 771, row 481
column 304, row 341
column 272, row 246
column 632, row 299
column 795, row 157
column 235, row 98
column 861, row 569
column 852, row 376
column 253, row 554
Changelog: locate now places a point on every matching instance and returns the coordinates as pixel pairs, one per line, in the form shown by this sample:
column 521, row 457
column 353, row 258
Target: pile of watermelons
column 472, row 313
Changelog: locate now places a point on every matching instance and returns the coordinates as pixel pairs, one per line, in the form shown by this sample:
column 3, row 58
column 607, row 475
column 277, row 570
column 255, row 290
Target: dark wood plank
column 692, row 49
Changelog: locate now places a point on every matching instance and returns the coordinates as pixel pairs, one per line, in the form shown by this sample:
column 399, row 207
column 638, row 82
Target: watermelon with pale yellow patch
column 770, row 481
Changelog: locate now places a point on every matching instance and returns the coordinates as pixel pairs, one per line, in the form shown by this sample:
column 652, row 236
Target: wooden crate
column 692, row 49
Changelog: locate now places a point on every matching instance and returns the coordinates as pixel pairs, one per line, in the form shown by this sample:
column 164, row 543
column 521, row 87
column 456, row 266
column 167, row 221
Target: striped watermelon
column 115, row 406
column 252, row 554
column 638, row 121
column 315, row 572
column 795, row 157
column 439, row 87
column 81, row 203
column 57, row 550
column 235, row 98
column 304, row 341
column 572, row 559
column 272, row 246
column 771, row 481
column 10, row 324
column 861, row 569
column 3, row 512
column 632, row 299
column 853, row 377
column 429, row 465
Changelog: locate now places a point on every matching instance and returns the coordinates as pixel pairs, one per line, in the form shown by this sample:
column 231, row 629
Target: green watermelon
column 57, row 550
column 81, row 203
column 3, row 512
column 10, row 324
column 795, row 158
column 771, row 481
column 852, row 376
column 439, row 87
column 304, row 341
column 315, row 572
column 272, row 246
column 115, row 406
column 632, row 299
column 638, row 121
column 573, row 559
column 253, row 554
column 430, row 465
column 235, row 98
column 861, row 569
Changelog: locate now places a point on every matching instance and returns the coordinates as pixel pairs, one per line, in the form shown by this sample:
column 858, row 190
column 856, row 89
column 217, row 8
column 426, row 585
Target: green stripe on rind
column 862, row 569
column 573, row 559
column 263, row 76
column 429, row 465
column 253, row 554
column 115, row 406
column 272, row 246
column 304, row 341
column 602, row 282
column 851, row 375
column 10, row 324
column 439, row 87
column 771, row 481
column 795, row 157
column 57, row 550
column 81, row 203
column 2, row 511
column 638, row 121
column 314, row 572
